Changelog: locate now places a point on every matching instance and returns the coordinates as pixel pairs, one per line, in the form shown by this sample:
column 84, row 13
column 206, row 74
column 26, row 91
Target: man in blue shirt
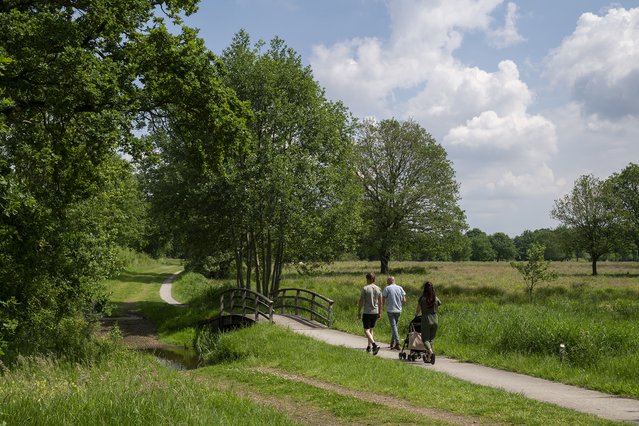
column 394, row 298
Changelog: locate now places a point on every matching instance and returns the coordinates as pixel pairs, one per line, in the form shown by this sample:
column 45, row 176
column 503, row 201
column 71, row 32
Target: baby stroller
column 414, row 344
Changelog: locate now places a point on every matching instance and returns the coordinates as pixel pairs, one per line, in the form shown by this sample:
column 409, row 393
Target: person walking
column 394, row 298
column 370, row 300
column 428, row 305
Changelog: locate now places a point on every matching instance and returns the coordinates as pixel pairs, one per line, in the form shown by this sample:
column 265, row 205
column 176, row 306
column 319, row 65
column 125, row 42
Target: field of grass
column 124, row 388
column 260, row 375
column 486, row 317
column 267, row 375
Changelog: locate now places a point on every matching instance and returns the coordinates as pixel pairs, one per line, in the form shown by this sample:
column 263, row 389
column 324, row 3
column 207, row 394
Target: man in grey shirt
column 371, row 300
column 394, row 299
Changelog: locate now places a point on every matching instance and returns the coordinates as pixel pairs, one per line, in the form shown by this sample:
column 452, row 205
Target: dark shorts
column 369, row 320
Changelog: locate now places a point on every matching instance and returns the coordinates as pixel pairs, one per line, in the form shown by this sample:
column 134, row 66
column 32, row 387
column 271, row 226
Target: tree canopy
column 290, row 196
column 78, row 80
column 625, row 187
column 503, row 246
column 481, row 247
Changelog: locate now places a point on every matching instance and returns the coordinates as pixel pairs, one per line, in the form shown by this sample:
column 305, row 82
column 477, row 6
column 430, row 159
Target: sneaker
column 392, row 344
column 368, row 348
column 396, row 347
column 375, row 349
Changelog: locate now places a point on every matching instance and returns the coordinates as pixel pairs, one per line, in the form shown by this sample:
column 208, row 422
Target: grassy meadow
column 257, row 376
column 486, row 316
column 267, row 375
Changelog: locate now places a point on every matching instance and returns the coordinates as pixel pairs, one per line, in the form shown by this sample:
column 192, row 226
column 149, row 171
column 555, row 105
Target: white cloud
column 455, row 94
column 366, row 71
column 529, row 137
column 500, row 150
column 591, row 145
column 599, row 61
column 508, row 35
column 479, row 112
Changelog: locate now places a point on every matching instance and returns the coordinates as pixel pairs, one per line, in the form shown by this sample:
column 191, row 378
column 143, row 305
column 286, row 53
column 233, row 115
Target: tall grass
column 124, row 389
column 486, row 316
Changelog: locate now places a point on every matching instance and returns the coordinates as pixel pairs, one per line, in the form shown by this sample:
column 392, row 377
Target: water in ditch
column 176, row 357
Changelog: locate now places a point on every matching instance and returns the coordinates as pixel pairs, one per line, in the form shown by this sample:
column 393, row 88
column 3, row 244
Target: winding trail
column 166, row 289
column 583, row 400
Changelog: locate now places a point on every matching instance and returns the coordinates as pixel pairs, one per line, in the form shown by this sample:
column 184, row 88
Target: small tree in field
column 536, row 269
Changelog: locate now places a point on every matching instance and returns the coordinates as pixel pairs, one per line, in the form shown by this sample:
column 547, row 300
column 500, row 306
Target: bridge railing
column 297, row 300
column 244, row 301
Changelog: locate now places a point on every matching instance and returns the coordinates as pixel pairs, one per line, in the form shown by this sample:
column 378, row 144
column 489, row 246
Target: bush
column 8, row 323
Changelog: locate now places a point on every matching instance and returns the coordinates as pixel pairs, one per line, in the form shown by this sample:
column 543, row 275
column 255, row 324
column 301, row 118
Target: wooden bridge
column 241, row 306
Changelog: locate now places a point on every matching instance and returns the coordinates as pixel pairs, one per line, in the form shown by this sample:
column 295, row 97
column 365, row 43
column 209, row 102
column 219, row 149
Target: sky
column 525, row 96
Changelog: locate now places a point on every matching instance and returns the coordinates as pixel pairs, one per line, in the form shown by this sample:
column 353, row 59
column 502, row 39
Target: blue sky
column 524, row 96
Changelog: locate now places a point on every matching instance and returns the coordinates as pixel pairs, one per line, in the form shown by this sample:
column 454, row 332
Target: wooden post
column 257, row 308
column 330, row 314
column 244, row 293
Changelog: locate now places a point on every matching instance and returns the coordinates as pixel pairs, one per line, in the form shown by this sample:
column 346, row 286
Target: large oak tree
column 409, row 186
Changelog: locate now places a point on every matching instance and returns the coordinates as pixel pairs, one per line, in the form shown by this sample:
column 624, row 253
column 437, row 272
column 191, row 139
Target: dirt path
column 292, row 409
column 139, row 332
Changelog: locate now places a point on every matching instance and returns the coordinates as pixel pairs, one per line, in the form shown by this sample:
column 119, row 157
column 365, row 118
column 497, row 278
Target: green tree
column 523, row 242
column 625, row 187
column 536, row 270
column 296, row 190
column 559, row 243
column 592, row 211
column 462, row 249
column 503, row 246
column 81, row 76
column 481, row 248
column 291, row 196
column 409, row 186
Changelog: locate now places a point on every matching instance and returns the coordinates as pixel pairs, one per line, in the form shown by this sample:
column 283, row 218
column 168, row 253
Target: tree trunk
column 530, row 292
column 249, row 261
column 384, row 258
column 279, row 260
column 256, row 259
column 268, row 264
column 594, row 266
column 239, row 263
